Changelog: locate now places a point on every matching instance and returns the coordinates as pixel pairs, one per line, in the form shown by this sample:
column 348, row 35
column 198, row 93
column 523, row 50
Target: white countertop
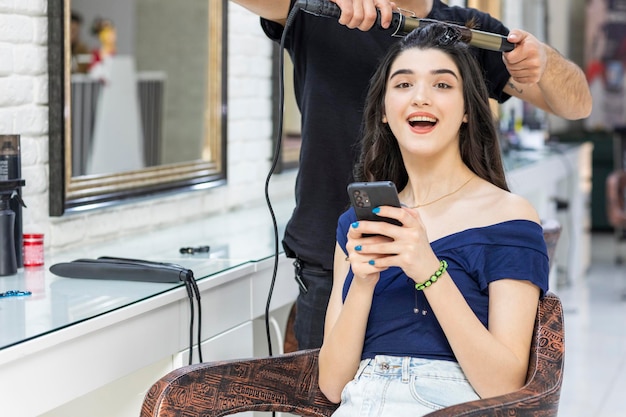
column 236, row 238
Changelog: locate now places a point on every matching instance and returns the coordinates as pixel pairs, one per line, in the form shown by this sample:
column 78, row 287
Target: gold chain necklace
column 445, row 195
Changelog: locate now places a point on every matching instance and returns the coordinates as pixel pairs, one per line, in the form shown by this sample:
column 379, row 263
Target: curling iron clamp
column 473, row 37
column 402, row 24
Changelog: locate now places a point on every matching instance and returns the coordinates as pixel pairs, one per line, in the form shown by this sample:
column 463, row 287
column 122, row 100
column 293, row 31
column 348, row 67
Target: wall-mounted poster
column 605, row 63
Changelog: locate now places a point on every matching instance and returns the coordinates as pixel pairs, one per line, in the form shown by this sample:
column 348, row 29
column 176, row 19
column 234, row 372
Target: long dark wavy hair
column 380, row 157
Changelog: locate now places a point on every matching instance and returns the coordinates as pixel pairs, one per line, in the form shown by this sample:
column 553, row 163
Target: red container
column 33, row 250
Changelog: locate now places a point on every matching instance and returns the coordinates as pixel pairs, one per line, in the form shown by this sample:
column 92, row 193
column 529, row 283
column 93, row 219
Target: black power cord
column 194, row 292
column 279, row 134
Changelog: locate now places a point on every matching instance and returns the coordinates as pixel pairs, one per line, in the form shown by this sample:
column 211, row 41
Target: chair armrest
column 284, row 383
column 540, row 396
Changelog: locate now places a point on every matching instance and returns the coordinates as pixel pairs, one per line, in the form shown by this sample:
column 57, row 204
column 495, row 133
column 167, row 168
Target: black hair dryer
column 9, row 191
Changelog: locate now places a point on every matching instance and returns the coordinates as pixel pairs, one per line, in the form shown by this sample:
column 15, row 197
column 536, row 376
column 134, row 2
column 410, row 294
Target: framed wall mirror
column 137, row 99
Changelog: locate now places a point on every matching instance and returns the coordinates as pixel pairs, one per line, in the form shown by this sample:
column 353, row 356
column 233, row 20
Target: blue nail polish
column 371, row 262
column 355, row 225
column 376, row 210
column 358, row 248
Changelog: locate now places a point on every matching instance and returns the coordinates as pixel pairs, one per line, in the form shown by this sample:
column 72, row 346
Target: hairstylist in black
column 333, row 64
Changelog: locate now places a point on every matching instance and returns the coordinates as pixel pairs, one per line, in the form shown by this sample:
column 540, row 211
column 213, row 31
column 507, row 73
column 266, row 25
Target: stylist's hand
column 527, row 61
column 361, row 14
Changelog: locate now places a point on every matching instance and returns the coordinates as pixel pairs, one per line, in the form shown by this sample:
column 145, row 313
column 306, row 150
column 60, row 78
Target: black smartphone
column 365, row 196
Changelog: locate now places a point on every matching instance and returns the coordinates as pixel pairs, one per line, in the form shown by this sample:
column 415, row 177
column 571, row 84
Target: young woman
column 440, row 310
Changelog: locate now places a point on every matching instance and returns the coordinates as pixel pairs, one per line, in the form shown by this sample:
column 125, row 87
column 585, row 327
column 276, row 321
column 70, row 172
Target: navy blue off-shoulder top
column 512, row 249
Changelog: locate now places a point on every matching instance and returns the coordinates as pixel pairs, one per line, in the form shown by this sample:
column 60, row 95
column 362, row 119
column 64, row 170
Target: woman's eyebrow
column 444, row 71
column 401, row 72
column 404, row 71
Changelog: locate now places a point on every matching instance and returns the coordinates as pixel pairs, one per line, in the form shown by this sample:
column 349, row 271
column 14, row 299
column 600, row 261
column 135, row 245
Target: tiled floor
column 594, row 381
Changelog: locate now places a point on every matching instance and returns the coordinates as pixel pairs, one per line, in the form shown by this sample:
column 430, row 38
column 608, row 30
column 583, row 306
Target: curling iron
column 402, row 24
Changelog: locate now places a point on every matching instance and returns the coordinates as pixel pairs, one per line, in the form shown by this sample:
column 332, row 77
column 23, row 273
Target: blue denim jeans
column 397, row 387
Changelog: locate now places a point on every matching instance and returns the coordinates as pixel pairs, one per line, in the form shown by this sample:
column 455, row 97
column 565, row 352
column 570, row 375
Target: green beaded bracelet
column 443, row 265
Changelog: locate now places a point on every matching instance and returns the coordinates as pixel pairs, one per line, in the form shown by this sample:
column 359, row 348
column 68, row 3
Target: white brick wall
column 24, row 111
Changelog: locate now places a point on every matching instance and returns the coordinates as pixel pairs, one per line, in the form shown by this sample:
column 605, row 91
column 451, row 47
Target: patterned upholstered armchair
column 288, row 383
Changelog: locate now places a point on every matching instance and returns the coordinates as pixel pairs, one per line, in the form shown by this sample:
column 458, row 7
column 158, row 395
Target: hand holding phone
column 366, row 196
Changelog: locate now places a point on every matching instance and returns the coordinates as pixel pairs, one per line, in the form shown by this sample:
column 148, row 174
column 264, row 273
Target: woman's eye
column 442, row 85
column 403, row 85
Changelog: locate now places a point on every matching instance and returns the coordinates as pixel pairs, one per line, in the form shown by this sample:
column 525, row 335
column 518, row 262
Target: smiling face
column 424, row 104
column 427, row 103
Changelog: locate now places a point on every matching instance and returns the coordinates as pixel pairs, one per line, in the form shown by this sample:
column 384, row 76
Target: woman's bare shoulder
column 484, row 205
column 501, row 205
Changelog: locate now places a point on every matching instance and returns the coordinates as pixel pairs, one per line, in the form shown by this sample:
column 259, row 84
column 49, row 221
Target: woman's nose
column 420, row 95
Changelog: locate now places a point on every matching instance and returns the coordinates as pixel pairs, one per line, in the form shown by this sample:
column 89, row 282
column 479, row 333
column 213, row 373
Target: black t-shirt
column 332, row 69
